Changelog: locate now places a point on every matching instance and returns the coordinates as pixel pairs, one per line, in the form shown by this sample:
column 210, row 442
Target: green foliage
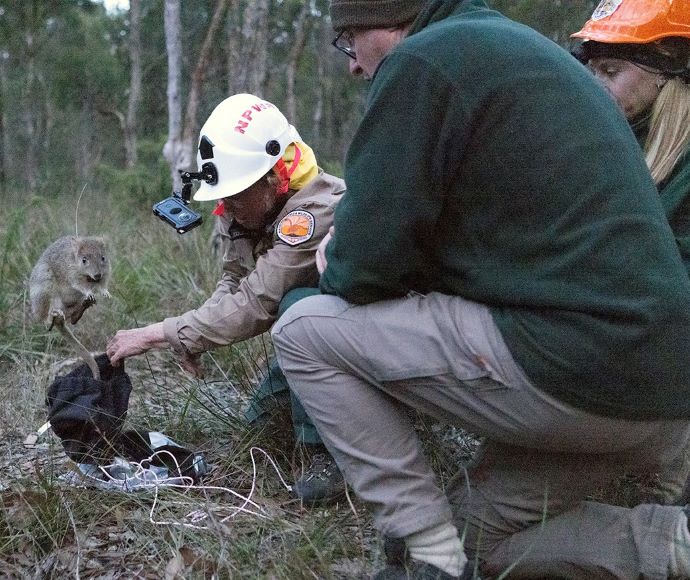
column 64, row 83
column 46, row 522
column 60, row 87
column 333, row 167
column 138, row 187
column 90, row 74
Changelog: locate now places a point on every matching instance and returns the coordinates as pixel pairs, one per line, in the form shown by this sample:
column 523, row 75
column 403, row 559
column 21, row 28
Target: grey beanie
column 373, row 13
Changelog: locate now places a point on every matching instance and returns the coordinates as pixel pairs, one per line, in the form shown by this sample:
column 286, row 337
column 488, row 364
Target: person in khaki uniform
column 501, row 262
column 274, row 206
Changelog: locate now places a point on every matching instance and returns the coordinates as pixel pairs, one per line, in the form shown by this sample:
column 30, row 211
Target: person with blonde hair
column 640, row 51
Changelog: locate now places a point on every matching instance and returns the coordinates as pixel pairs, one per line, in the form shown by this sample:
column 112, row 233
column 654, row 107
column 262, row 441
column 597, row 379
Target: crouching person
column 504, row 265
column 274, row 205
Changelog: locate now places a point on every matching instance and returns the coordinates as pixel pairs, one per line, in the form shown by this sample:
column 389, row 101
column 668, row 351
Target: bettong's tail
column 86, row 356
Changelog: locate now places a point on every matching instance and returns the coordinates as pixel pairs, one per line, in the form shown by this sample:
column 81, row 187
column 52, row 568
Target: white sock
column 440, row 546
column 680, row 551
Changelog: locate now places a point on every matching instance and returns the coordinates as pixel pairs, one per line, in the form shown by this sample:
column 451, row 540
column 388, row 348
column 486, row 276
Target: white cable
column 198, row 515
column 150, row 479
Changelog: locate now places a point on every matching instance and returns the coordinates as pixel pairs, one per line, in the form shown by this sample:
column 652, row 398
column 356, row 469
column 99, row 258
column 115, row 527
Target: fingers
column 124, row 344
column 135, row 341
column 196, row 372
column 321, row 261
column 112, row 352
column 190, row 363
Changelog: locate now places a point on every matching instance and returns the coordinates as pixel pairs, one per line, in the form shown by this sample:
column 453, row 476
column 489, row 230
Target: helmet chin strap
column 284, row 173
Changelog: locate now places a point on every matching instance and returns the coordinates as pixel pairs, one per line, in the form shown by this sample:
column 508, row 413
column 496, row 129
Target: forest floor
column 52, row 527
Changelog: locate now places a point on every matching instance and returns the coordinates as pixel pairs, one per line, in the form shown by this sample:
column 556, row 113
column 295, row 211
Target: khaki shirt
column 259, row 268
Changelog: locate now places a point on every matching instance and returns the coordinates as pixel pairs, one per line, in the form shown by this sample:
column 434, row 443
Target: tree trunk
column 233, row 48
column 323, row 87
column 258, row 61
column 4, row 139
column 247, row 48
column 191, row 123
column 30, row 170
column 301, row 26
column 173, row 43
column 135, row 81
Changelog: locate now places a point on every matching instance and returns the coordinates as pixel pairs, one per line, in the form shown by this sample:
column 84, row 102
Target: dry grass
column 51, row 530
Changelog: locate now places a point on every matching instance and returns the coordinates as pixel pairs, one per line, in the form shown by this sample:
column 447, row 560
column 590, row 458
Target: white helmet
column 243, row 139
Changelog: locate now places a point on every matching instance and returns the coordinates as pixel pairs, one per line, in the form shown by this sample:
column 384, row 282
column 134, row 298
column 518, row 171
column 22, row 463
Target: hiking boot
column 395, row 551
column 321, row 482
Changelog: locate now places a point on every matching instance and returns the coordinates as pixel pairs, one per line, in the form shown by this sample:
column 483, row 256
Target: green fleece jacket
column 674, row 192
column 491, row 165
column 675, row 197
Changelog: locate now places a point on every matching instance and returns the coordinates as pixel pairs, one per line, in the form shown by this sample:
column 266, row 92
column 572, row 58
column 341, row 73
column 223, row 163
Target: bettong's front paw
column 106, row 294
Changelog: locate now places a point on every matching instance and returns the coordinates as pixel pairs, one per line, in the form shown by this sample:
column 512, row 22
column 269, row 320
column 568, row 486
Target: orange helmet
column 637, row 21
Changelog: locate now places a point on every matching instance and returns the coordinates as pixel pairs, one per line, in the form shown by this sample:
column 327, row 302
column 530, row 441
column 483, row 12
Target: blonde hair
column 669, row 129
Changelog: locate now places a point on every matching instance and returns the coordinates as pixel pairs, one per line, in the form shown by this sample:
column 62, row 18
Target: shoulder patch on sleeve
column 296, row 227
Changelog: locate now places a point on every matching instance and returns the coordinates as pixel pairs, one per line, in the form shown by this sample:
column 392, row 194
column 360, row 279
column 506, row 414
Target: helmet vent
column 273, row 147
column 206, row 148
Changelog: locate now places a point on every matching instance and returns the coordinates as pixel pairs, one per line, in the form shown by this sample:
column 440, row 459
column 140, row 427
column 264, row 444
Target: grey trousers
column 356, row 368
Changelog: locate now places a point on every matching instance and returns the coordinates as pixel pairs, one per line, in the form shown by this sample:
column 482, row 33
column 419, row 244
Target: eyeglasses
column 343, row 42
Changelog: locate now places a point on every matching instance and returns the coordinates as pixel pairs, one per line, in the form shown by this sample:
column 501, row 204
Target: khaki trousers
column 356, row 368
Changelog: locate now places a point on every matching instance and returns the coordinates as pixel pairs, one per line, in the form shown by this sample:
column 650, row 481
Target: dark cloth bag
column 88, row 414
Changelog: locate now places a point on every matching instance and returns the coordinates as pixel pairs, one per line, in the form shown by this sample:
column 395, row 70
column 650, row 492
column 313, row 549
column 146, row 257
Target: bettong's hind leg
column 56, row 316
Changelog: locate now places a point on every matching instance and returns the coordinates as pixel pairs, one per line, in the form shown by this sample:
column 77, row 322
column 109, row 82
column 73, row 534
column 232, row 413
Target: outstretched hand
column 135, row 341
column 190, row 363
column 321, row 261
